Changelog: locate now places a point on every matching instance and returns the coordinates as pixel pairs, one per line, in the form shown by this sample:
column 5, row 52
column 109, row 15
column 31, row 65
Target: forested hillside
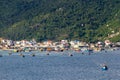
column 86, row 20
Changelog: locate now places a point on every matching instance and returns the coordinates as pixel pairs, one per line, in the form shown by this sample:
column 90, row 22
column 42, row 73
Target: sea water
column 59, row 66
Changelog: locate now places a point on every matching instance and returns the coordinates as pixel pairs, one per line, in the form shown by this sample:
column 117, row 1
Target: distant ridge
column 84, row 20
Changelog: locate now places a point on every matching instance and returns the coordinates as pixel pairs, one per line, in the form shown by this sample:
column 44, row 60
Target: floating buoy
column 1, row 55
column 33, row 55
column 105, row 51
column 82, row 53
column 10, row 53
column 70, row 55
column 104, row 68
column 47, row 53
column 22, row 55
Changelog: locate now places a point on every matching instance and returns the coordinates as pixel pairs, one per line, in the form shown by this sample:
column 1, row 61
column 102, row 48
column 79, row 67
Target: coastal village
column 32, row 45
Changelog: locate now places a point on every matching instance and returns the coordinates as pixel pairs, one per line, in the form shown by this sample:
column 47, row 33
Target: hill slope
column 58, row 19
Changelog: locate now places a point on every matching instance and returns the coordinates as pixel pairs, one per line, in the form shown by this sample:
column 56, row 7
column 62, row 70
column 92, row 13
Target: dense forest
column 85, row 20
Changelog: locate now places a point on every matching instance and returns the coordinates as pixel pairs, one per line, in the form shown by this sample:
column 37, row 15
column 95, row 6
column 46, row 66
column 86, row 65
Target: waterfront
column 59, row 66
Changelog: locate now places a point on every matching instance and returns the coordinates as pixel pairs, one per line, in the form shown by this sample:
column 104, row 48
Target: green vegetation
column 85, row 20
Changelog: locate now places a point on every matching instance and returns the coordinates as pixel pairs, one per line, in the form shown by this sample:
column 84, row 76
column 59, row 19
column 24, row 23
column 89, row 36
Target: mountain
column 84, row 20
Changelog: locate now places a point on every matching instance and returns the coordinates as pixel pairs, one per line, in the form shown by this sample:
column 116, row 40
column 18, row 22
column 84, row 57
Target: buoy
column 22, row 55
column 70, row 55
column 47, row 53
column 10, row 53
column 33, row 55
column 104, row 68
column 1, row 55
column 82, row 53
column 105, row 51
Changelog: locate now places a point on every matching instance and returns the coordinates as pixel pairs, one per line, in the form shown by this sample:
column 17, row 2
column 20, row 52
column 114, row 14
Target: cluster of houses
column 25, row 45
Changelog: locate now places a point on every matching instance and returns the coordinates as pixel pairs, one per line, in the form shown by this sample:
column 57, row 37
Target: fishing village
column 27, row 46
